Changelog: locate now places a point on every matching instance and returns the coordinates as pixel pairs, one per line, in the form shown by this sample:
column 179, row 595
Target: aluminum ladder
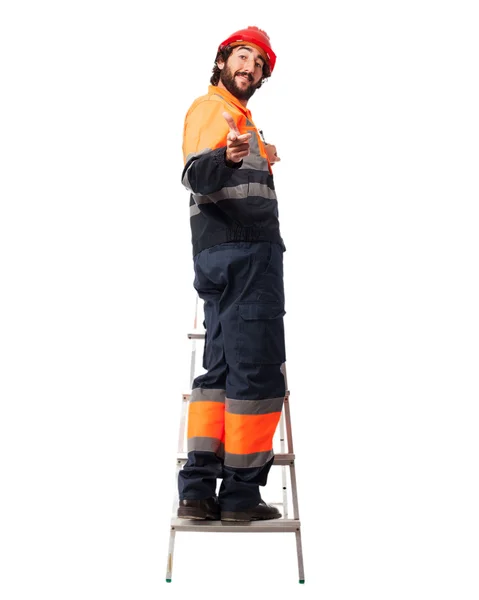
column 285, row 458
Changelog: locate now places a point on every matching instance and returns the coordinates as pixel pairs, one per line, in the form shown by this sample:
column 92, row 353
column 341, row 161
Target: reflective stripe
column 233, row 192
column 206, row 419
column 207, row 394
column 257, row 158
column 192, row 155
column 244, row 461
column 194, row 210
column 261, row 190
column 238, row 192
column 254, row 407
column 253, row 161
column 247, row 434
column 205, row 444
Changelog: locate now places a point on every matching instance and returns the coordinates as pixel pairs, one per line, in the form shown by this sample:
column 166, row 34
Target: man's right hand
column 237, row 144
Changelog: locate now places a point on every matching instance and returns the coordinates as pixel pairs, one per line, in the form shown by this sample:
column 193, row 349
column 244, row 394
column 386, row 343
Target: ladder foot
column 300, row 581
column 168, row 581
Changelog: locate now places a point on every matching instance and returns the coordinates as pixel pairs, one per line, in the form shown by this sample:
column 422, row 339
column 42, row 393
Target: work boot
column 260, row 512
column 207, row 508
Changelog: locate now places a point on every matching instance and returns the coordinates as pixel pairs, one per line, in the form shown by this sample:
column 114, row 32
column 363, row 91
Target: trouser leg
column 242, row 285
column 205, row 434
column 253, row 332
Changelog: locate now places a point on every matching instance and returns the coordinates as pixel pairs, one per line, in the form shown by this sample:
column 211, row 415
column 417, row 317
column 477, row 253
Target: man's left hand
column 272, row 154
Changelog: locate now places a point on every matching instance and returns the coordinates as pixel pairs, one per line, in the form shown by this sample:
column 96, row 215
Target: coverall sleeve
column 204, row 147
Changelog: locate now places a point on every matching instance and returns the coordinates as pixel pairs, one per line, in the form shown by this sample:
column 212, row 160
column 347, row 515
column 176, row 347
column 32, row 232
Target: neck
column 222, row 86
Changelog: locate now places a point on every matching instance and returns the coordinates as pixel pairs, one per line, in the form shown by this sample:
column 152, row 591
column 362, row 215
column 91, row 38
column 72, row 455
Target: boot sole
column 185, row 513
column 244, row 517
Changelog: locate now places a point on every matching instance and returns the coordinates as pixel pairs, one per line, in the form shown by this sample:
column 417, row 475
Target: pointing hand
column 237, row 144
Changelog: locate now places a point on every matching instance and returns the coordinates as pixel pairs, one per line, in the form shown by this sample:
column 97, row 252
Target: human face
column 242, row 72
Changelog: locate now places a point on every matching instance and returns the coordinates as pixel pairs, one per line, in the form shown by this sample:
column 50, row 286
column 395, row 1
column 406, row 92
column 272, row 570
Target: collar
column 214, row 89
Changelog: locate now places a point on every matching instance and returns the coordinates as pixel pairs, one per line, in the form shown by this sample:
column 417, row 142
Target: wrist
column 231, row 163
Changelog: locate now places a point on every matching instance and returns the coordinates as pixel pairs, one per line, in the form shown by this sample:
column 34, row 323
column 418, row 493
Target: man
column 235, row 406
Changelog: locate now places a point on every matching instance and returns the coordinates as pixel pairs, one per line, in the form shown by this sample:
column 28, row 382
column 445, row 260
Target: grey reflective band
column 196, row 154
column 237, row 192
column 253, row 161
column 227, row 193
column 254, row 407
column 245, row 461
column 185, row 181
column 194, row 210
column 206, row 444
column 207, row 395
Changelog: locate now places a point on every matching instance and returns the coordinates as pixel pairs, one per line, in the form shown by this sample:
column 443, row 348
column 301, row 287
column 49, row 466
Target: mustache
column 248, row 75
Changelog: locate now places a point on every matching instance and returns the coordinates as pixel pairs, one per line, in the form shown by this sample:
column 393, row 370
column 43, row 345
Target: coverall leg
column 236, row 405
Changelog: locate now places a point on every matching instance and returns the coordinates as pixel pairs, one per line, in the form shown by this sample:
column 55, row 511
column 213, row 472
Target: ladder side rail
column 292, row 471
column 294, row 491
column 193, row 362
column 183, row 417
column 284, row 478
column 289, row 433
column 299, row 552
column 171, row 549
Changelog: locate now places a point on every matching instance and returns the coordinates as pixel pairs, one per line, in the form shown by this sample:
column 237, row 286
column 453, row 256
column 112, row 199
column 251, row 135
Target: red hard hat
column 256, row 36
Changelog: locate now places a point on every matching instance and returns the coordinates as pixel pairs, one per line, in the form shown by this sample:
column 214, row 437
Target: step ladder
column 285, row 458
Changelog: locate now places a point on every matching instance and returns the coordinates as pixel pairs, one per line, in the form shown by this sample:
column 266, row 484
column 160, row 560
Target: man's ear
column 220, row 64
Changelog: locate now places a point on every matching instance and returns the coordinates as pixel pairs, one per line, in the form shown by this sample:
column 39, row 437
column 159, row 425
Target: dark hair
column 225, row 54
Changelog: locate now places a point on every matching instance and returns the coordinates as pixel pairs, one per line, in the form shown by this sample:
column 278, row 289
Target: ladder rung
column 273, row 525
column 196, row 336
column 279, row 459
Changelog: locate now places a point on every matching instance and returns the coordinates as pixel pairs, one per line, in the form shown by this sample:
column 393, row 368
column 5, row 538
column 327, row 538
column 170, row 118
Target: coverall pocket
column 261, row 334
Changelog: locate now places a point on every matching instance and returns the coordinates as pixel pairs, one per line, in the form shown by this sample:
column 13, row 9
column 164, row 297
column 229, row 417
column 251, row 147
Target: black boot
column 260, row 512
column 199, row 509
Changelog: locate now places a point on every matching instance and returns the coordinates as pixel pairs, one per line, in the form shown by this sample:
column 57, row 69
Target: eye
column 259, row 65
column 242, row 56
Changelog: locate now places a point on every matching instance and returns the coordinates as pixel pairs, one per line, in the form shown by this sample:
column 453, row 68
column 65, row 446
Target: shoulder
column 209, row 104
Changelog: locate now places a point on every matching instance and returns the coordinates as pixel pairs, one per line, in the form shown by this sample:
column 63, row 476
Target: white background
column 373, row 107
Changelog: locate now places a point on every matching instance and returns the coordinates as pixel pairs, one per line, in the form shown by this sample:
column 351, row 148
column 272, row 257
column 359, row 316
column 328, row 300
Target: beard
column 227, row 78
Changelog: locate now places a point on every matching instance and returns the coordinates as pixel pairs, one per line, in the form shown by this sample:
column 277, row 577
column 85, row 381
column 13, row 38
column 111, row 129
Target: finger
column 244, row 137
column 240, row 148
column 237, row 141
column 231, row 122
column 238, row 153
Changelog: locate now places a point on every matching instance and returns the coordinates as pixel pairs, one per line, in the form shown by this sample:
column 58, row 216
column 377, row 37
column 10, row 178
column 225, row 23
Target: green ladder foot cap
column 301, row 581
column 168, row 581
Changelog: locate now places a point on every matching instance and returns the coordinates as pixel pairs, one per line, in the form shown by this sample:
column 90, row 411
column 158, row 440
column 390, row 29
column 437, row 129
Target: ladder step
column 196, row 336
column 279, row 459
column 273, row 525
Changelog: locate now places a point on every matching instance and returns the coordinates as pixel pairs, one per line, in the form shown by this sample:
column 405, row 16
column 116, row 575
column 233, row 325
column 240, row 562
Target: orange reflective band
column 246, row 434
column 206, row 419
